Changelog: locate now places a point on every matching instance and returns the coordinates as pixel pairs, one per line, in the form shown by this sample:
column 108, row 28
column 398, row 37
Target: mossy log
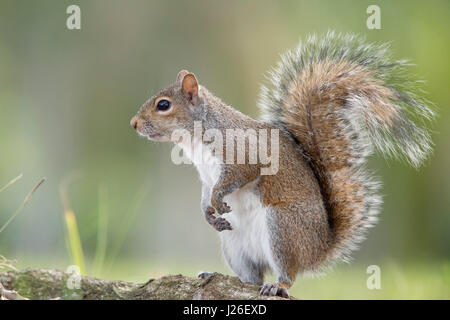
column 44, row 284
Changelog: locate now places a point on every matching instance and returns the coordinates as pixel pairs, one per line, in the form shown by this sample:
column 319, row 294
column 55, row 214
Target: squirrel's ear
column 189, row 87
column 181, row 75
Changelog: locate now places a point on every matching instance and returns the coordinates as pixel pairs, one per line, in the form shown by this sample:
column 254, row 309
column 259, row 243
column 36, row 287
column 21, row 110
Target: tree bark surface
column 45, row 284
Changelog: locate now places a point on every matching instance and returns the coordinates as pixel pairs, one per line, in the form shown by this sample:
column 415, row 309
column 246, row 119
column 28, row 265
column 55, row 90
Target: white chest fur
column 249, row 238
column 207, row 165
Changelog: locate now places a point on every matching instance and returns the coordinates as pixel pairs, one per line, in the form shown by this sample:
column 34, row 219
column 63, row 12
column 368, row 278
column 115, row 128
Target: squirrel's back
column 341, row 99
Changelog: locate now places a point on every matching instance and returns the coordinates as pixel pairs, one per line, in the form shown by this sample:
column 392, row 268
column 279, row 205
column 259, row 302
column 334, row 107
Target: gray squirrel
column 335, row 100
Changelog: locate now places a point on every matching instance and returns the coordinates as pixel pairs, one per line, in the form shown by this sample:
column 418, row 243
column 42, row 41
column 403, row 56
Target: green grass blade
column 28, row 197
column 73, row 235
column 11, row 182
column 73, row 239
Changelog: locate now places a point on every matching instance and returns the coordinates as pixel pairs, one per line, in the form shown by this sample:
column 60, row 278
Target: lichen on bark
column 44, row 284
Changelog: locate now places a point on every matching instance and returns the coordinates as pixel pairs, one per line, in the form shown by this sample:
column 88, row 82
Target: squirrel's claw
column 223, row 208
column 219, row 205
column 220, row 224
column 273, row 289
column 210, row 211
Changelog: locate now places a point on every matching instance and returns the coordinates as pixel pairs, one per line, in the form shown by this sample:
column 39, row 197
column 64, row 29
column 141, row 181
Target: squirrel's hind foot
column 273, row 289
column 204, row 274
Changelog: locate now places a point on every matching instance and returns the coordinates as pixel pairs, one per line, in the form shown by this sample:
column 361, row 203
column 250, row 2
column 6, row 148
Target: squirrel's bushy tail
column 341, row 99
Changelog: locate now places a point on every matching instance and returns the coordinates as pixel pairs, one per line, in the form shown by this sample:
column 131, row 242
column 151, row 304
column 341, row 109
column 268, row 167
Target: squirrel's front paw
column 219, row 205
column 220, row 224
column 223, row 208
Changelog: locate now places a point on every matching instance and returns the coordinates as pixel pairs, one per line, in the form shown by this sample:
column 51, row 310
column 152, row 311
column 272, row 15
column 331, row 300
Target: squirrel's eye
column 163, row 105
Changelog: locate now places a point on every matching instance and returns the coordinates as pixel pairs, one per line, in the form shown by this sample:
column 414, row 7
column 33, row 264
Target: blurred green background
column 66, row 98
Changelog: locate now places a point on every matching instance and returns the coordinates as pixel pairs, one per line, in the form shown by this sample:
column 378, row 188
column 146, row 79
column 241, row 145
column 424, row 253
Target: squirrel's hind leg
column 280, row 288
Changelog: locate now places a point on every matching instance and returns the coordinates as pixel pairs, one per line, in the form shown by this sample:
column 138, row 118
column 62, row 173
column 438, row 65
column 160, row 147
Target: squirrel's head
column 173, row 108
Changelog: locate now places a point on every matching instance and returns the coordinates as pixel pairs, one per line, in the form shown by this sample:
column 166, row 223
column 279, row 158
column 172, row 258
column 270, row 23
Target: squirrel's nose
column 134, row 122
